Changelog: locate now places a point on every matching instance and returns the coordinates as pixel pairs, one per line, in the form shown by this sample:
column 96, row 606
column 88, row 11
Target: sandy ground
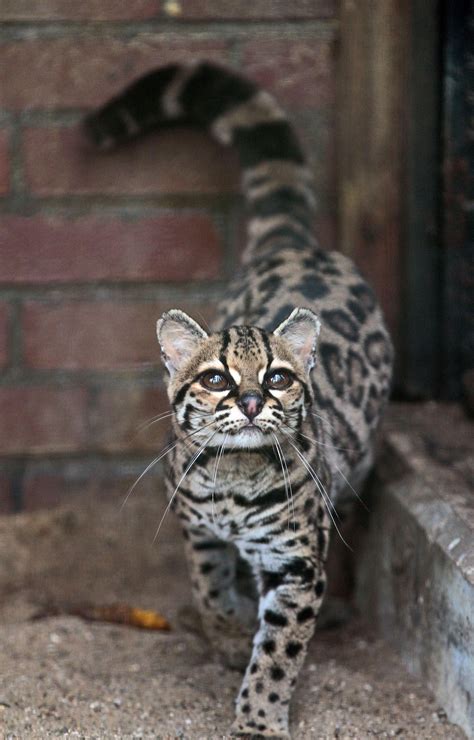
column 64, row 677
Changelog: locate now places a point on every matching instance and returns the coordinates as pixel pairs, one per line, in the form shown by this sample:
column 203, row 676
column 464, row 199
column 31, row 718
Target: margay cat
column 275, row 411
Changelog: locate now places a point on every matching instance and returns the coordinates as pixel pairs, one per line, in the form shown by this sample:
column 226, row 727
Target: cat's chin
column 249, row 437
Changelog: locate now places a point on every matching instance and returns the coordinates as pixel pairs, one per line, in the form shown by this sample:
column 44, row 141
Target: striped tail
column 275, row 180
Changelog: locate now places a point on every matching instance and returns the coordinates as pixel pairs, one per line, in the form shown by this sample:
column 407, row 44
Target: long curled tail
column 276, row 183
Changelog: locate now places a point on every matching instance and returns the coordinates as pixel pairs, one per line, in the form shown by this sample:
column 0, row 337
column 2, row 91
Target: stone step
column 416, row 570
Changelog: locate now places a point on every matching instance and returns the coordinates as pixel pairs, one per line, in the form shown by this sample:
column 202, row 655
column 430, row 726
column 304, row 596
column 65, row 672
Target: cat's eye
column 215, row 381
column 278, row 380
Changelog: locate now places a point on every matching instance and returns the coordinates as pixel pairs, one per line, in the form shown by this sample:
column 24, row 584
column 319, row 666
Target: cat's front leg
column 289, row 603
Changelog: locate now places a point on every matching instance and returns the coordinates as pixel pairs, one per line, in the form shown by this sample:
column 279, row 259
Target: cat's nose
column 250, row 403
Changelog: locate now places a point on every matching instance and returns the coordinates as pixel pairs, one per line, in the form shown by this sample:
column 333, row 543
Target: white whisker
column 314, row 472
column 154, row 462
column 359, row 498
column 157, row 459
column 167, row 415
column 286, row 479
column 188, row 468
column 154, row 420
column 218, row 458
column 324, row 494
column 322, row 444
column 325, row 421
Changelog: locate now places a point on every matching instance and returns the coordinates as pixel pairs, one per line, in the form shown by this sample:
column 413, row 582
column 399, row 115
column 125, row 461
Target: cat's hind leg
column 222, row 594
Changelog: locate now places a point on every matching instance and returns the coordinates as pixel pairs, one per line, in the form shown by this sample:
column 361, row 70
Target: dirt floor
column 65, row 677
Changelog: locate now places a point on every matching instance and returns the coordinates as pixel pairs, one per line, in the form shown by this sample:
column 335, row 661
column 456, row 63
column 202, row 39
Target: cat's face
column 240, row 386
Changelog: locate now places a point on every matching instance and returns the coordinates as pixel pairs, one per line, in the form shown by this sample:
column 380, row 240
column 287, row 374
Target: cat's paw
column 257, row 732
column 189, row 619
column 234, row 652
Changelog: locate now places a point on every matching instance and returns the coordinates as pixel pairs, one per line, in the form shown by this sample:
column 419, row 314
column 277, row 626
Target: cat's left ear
column 179, row 337
column 301, row 331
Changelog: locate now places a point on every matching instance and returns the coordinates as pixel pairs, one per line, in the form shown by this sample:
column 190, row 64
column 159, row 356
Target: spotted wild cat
column 275, row 411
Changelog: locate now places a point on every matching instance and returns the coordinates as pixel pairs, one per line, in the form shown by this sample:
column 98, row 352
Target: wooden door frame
column 389, row 172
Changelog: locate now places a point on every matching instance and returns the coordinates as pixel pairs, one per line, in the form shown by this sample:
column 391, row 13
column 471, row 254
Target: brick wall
column 94, row 248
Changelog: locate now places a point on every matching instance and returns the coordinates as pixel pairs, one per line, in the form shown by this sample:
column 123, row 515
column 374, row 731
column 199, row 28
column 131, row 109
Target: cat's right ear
column 178, row 336
column 301, row 331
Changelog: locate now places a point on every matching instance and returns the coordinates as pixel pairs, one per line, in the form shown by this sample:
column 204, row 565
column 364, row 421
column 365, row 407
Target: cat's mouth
column 251, row 428
column 248, row 430
column 249, row 435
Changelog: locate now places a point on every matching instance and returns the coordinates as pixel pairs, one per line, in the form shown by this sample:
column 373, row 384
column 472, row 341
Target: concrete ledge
column 415, row 576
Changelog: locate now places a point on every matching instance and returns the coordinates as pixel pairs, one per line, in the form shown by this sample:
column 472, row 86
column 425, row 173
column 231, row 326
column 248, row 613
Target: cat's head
column 239, row 386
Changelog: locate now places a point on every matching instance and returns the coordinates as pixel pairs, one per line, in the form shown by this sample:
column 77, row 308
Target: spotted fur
column 275, row 411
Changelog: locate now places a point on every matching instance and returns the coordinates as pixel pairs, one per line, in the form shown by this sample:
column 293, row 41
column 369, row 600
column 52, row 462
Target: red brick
column 42, row 420
column 47, row 490
column 94, row 335
column 4, row 316
column 71, row 10
column 72, row 72
column 6, row 495
column 299, row 73
column 4, row 163
column 120, row 415
column 170, row 247
column 166, row 163
column 244, row 10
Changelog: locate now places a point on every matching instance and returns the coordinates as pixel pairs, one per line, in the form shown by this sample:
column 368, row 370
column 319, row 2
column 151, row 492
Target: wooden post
column 386, row 195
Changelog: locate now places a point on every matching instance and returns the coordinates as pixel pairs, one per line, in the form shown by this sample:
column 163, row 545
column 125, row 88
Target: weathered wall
column 93, row 248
